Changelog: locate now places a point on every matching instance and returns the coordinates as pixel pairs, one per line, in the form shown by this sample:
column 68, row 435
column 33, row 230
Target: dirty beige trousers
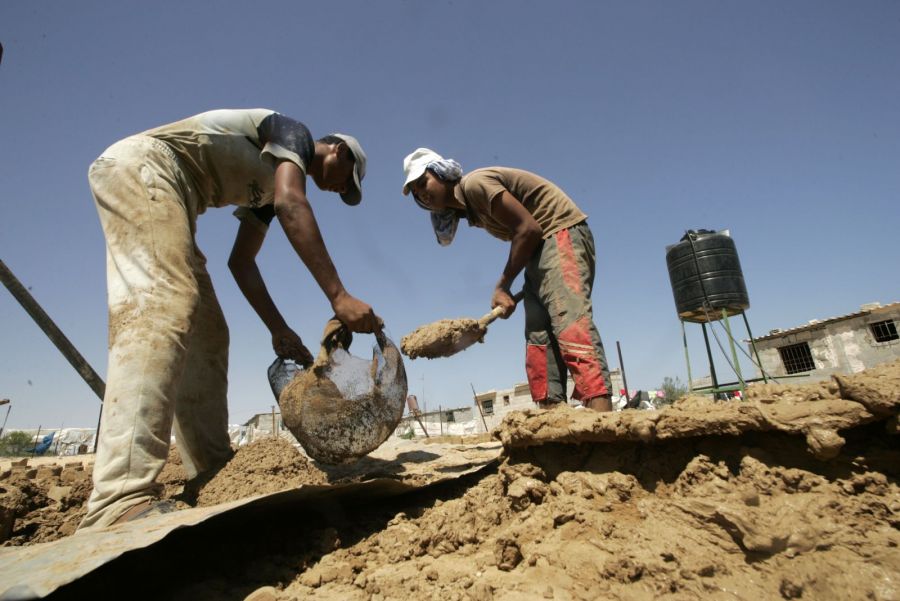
column 168, row 341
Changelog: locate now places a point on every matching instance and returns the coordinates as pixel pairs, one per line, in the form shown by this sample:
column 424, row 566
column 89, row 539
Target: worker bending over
column 550, row 239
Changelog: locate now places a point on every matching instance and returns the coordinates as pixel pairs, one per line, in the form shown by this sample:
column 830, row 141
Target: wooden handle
column 495, row 313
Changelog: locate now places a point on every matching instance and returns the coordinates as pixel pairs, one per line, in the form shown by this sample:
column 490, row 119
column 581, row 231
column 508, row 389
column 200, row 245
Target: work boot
column 144, row 510
column 599, row 403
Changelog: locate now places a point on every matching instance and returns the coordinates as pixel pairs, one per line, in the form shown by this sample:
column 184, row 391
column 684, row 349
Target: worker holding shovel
column 168, row 353
column 550, row 239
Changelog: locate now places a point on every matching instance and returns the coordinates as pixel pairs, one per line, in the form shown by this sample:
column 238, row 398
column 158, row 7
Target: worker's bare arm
column 527, row 234
column 299, row 223
column 242, row 264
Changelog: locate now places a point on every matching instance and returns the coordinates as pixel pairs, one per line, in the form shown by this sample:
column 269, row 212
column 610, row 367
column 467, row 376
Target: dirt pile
column 41, row 503
column 748, row 519
column 47, row 502
column 792, row 494
column 264, row 466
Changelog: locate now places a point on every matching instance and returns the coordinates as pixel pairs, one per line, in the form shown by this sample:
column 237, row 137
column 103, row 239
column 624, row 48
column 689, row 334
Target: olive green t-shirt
column 547, row 203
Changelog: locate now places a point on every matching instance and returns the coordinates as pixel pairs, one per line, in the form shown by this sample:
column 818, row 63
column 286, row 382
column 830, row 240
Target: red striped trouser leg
column 570, row 271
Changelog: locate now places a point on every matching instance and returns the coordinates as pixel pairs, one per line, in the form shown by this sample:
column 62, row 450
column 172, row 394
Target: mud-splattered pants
column 560, row 333
column 168, row 341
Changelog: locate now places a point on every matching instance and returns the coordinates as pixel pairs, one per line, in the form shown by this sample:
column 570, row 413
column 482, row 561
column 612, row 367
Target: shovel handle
column 495, row 313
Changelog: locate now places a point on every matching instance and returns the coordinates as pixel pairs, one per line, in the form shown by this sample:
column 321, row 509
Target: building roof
column 866, row 309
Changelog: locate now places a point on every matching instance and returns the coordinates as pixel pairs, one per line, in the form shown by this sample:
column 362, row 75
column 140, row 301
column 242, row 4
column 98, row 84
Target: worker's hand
column 502, row 298
column 288, row 345
column 356, row 315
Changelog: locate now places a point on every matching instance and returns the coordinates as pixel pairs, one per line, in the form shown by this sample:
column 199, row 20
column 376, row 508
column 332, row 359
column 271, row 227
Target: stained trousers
column 168, row 340
column 560, row 333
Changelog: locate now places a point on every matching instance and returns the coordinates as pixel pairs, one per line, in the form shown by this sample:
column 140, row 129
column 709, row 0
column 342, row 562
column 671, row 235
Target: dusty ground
column 791, row 494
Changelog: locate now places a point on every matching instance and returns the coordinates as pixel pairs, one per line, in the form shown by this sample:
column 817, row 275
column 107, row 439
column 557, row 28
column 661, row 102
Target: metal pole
column 753, row 344
column 441, row 419
column 3, row 427
column 477, row 404
column 419, row 419
column 36, row 439
column 274, row 432
column 424, row 404
column 712, row 368
column 97, row 433
column 687, row 358
column 413, row 404
column 734, row 357
column 55, row 335
column 622, row 367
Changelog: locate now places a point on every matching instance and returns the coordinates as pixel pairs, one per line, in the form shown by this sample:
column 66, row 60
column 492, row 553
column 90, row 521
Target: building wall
column 839, row 347
column 263, row 421
column 497, row 403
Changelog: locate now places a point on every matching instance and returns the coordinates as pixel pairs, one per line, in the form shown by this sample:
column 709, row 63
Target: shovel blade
column 442, row 338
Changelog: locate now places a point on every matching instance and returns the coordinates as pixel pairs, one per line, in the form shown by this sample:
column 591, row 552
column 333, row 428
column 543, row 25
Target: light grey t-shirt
column 231, row 155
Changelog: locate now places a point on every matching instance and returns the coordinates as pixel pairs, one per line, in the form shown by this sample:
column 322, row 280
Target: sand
column 442, row 338
column 790, row 494
column 703, row 501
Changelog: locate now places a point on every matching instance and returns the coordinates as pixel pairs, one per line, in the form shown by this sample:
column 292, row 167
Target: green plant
column 15, row 444
column 673, row 388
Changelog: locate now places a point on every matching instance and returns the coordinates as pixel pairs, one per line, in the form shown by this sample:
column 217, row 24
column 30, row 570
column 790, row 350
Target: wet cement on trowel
column 440, row 339
column 790, row 494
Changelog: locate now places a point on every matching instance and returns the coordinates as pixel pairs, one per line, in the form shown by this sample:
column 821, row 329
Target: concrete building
column 836, row 345
column 265, row 422
column 494, row 404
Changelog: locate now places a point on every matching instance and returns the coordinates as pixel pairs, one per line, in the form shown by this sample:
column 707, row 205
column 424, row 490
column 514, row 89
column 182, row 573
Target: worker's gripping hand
column 502, row 298
column 356, row 315
column 288, row 345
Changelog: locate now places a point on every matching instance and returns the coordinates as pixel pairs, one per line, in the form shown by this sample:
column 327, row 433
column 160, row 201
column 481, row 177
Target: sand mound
column 39, row 504
column 264, row 466
column 736, row 516
column 790, row 494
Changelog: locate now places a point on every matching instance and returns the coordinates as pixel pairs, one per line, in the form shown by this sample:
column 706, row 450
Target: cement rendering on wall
column 843, row 345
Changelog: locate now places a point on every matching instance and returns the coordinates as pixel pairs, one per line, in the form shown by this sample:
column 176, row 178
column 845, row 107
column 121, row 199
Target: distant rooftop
column 866, row 309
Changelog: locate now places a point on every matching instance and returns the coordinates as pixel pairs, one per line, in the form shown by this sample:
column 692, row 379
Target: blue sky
column 777, row 120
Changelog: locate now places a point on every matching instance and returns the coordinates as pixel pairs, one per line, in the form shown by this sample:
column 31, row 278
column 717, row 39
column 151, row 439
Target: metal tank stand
column 717, row 388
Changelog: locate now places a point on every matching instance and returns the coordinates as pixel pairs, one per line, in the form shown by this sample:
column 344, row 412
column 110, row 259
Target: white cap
column 353, row 197
column 415, row 163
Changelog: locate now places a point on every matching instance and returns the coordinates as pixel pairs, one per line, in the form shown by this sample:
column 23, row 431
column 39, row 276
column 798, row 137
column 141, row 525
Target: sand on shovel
column 442, row 338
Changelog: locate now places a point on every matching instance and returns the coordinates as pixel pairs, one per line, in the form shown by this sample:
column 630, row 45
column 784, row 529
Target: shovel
column 449, row 336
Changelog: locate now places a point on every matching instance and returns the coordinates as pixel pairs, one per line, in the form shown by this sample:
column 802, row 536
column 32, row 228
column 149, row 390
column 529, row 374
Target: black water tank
column 720, row 273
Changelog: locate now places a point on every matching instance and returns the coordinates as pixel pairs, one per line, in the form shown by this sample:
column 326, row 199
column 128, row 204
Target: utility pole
column 424, row 404
column 5, row 402
column 477, row 404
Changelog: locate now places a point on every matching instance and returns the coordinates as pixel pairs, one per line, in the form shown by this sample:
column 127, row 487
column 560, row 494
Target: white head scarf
column 445, row 222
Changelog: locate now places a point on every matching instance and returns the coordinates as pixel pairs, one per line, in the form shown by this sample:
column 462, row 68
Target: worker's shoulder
column 506, row 176
column 498, row 171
